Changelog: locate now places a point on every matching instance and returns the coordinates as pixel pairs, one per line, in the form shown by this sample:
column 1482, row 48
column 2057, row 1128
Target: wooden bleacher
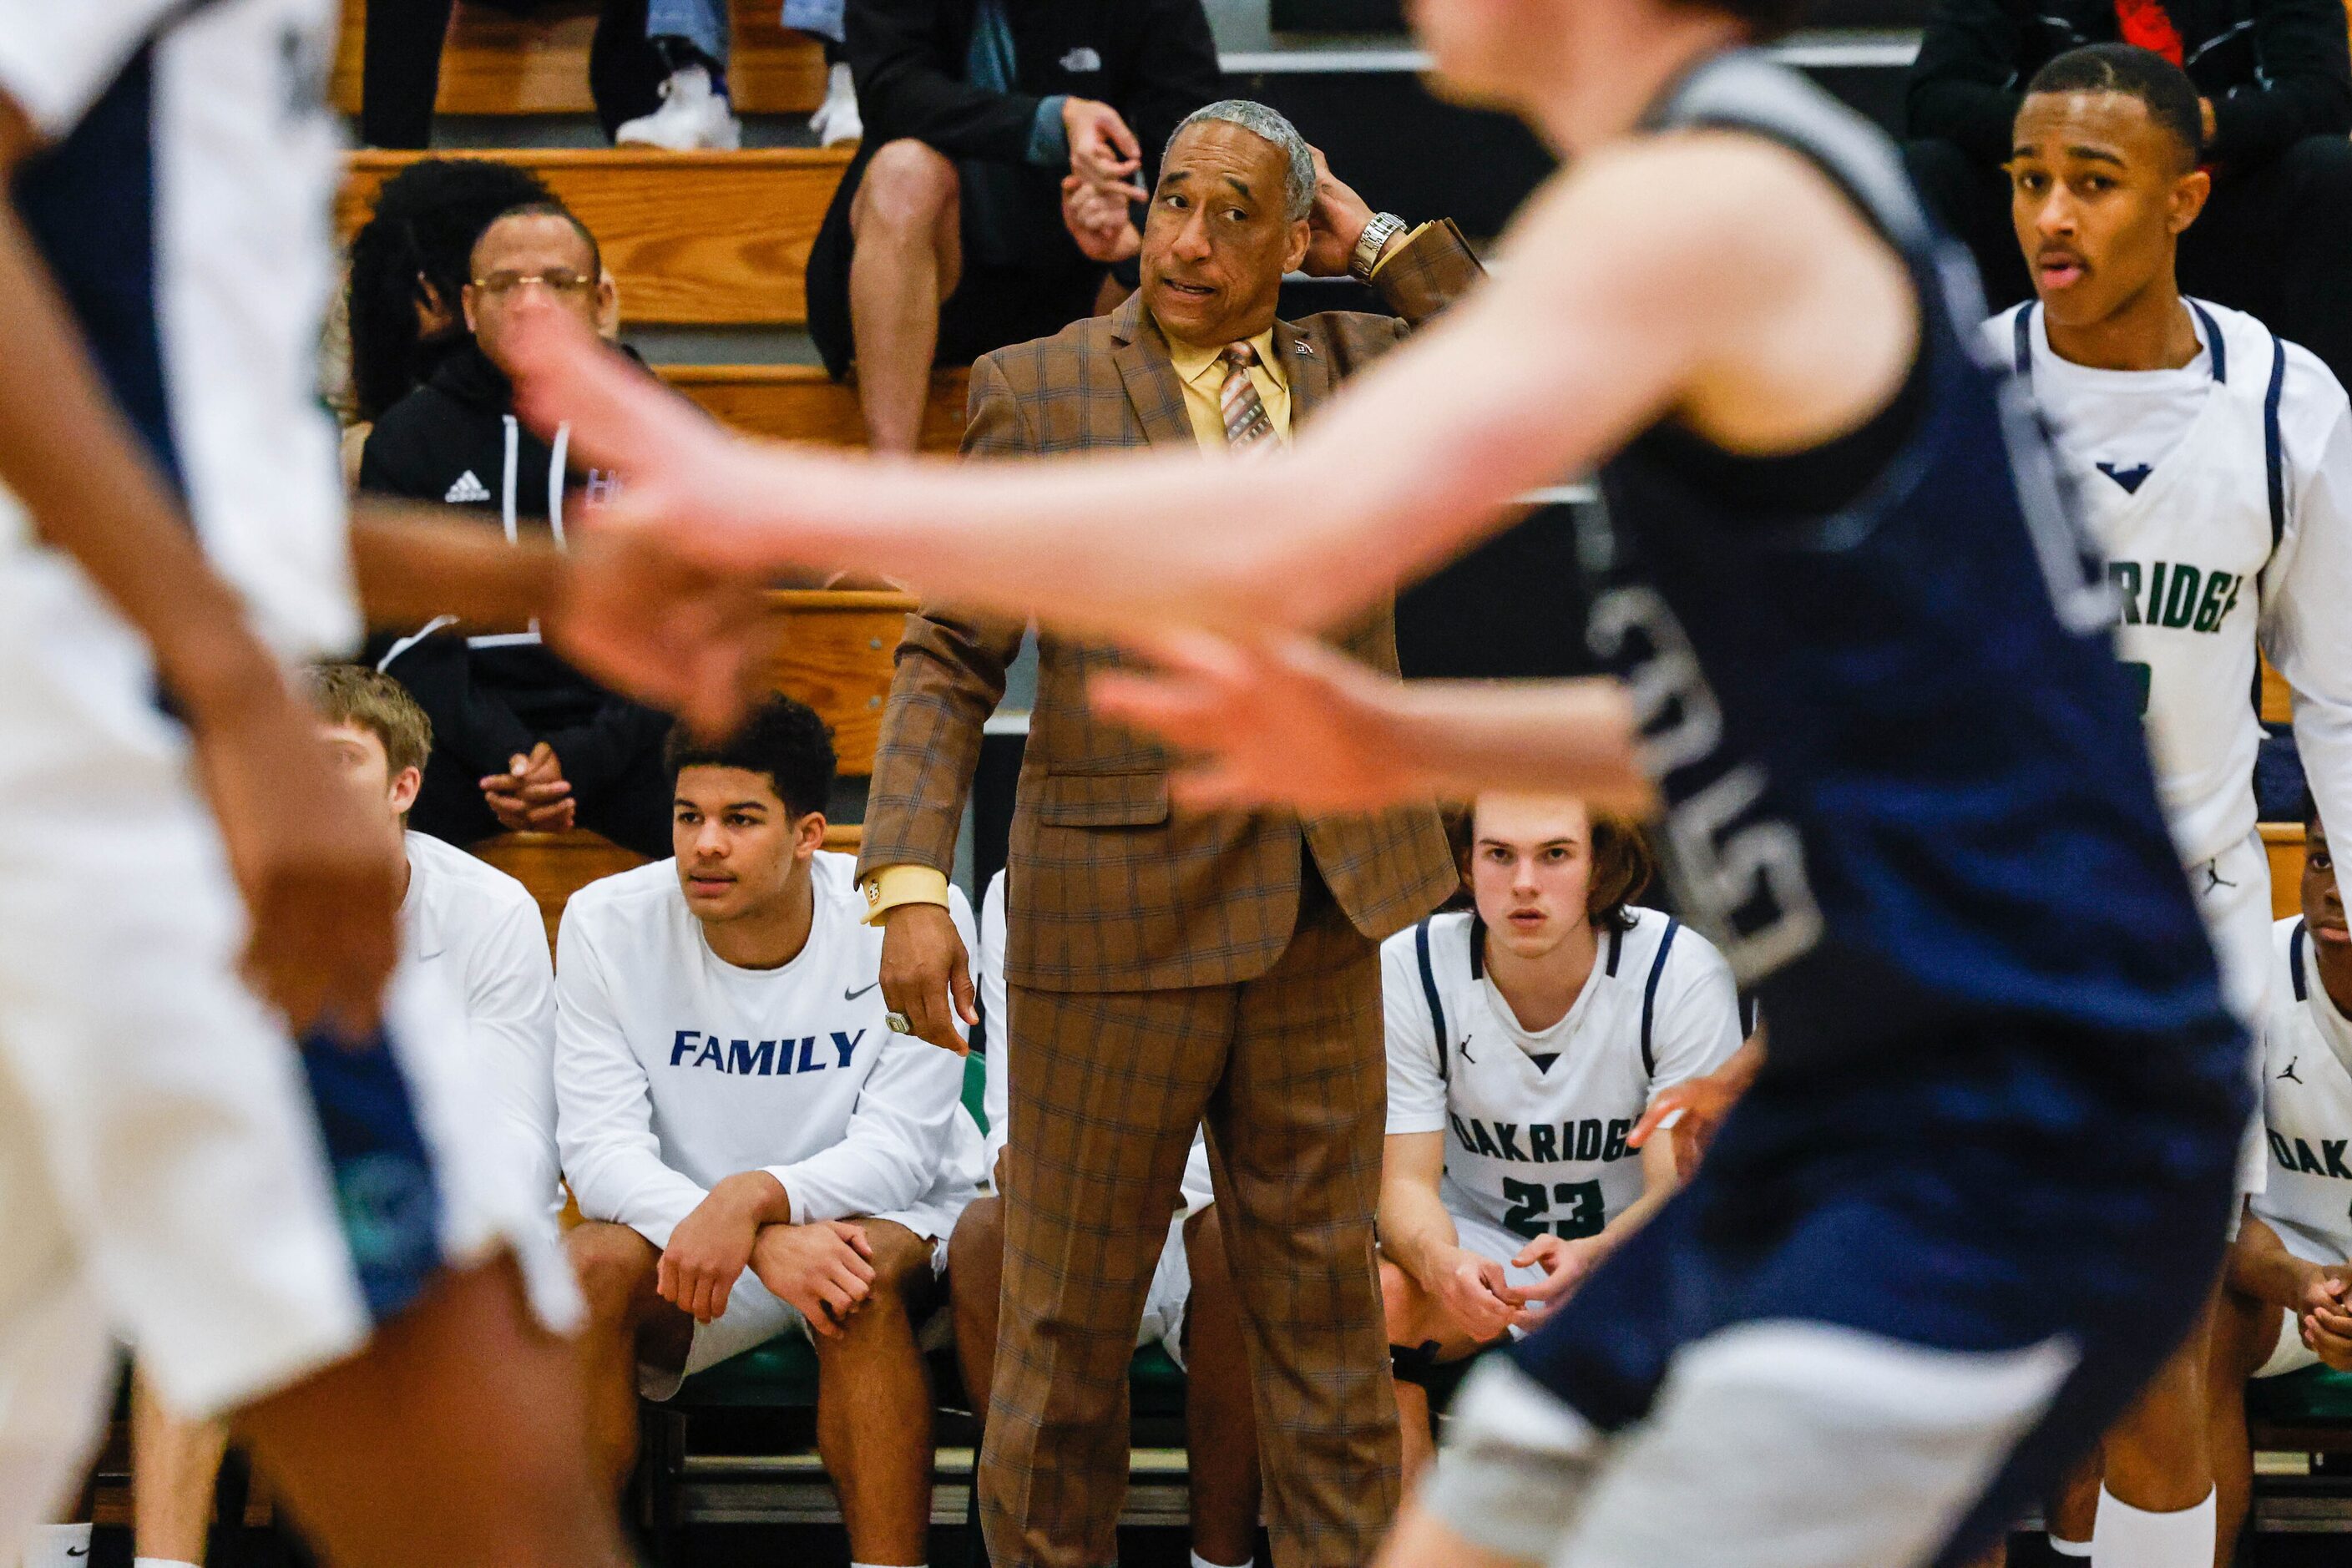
column 498, row 64
column 694, row 238
column 801, row 403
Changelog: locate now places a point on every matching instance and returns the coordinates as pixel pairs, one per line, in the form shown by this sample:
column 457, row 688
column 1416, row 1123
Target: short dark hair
column 781, row 738
column 2170, row 97
column 550, row 208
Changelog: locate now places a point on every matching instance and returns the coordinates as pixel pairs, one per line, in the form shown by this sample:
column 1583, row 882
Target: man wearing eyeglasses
column 521, row 741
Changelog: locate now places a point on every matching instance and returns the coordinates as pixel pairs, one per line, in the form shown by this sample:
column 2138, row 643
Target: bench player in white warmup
column 1525, row 1038
column 756, row 1151
column 475, row 930
column 277, row 1187
column 2214, row 463
column 2288, row 1304
column 1189, row 1310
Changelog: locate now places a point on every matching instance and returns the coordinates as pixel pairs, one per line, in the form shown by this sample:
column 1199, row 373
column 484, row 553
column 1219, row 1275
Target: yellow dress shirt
column 1203, row 375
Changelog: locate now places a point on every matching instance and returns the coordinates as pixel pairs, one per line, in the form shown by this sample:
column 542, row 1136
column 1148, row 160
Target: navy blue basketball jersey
column 1906, row 778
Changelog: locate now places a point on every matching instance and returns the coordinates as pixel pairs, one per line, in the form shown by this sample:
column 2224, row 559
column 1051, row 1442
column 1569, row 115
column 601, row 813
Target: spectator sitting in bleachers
column 1525, row 1036
column 690, row 35
column 1191, row 1313
column 523, row 741
column 756, row 1153
column 2276, row 91
column 2288, row 1301
column 410, row 263
column 476, row 932
column 948, row 236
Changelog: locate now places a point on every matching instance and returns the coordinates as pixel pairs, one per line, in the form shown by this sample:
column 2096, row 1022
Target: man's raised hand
column 1102, row 149
column 1334, row 224
column 927, row 974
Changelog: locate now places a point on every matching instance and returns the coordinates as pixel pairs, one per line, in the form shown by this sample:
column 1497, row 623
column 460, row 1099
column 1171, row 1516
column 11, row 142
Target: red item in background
column 2146, row 23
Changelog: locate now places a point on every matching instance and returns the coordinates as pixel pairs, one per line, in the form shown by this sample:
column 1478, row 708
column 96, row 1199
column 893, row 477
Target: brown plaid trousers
column 1166, row 969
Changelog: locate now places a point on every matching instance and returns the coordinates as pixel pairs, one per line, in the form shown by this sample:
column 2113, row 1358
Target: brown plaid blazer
column 1107, row 889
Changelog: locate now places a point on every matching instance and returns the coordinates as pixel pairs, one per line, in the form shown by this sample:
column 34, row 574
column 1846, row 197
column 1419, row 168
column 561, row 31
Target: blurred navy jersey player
column 1978, row 1190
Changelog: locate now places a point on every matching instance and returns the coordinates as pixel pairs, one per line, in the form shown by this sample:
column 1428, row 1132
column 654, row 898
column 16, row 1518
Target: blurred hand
column 712, row 1247
column 319, row 876
column 1283, row 720
column 826, row 1269
column 927, row 974
column 1476, row 1295
column 1334, row 225
column 1565, row 1265
column 1704, row 1103
column 1102, row 149
column 532, row 795
column 1096, row 216
column 638, row 615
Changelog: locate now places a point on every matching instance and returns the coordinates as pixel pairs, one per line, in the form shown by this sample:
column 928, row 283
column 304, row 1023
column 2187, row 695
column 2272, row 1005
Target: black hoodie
column 455, row 441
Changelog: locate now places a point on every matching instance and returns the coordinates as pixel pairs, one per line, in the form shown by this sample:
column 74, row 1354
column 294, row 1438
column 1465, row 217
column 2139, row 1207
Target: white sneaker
column 691, row 117
column 837, row 120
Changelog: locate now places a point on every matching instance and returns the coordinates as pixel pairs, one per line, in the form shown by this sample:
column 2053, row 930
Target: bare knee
column 908, row 186
column 976, row 1255
column 615, row 1266
column 902, row 1290
column 1403, row 1304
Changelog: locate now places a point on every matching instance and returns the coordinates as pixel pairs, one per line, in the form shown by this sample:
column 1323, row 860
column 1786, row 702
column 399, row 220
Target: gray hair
column 1298, row 180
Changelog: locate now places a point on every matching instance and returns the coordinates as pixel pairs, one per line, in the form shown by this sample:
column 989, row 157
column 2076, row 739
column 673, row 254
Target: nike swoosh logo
column 853, row 995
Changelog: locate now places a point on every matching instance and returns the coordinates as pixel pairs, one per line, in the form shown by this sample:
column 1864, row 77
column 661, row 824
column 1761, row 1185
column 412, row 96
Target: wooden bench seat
column 801, row 403
column 497, row 63
column 695, row 238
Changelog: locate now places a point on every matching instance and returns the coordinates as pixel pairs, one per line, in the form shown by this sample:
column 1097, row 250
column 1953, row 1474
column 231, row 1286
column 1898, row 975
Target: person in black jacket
column 948, row 236
column 2275, row 76
column 521, row 741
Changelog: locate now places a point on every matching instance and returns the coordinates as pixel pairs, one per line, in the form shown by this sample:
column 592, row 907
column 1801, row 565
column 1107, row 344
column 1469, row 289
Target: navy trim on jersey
column 2214, row 347
column 2273, row 453
column 385, row 1190
column 1650, row 994
column 2295, row 964
column 88, row 203
column 1429, row 992
column 1478, row 945
column 1746, row 1014
column 1616, row 942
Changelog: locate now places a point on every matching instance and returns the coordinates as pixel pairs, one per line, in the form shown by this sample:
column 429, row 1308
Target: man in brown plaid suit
column 1167, row 969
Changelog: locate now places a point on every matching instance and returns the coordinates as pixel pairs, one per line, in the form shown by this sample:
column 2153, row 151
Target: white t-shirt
column 478, row 931
column 2173, row 472
column 1536, row 1120
column 2307, row 1106
column 675, row 1069
column 215, row 268
column 988, row 979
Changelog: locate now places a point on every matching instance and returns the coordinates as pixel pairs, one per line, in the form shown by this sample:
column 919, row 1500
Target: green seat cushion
column 2315, row 1396
column 1155, row 1383
column 780, row 1374
column 975, row 1088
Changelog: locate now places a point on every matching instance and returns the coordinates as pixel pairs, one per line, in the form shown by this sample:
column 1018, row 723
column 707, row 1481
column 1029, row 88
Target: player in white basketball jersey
column 1190, row 1310
column 173, row 1171
column 2214, row 465
column 756, row 1149
column 469, row 928
column 1525, row 1038
column 2289, row 1301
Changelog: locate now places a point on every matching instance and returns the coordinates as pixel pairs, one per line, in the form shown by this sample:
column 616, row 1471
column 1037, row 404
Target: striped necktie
column 1247, row 420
